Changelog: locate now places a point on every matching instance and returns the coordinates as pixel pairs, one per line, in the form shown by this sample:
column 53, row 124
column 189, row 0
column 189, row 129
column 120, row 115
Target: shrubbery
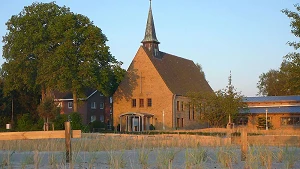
column 26, row 122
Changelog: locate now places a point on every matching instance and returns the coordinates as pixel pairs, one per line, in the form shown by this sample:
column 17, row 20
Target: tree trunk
column 75, row 103
column 43, row 94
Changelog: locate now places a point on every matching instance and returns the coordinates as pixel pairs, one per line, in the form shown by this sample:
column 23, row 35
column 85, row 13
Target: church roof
column 180, row 75
column 150, row 35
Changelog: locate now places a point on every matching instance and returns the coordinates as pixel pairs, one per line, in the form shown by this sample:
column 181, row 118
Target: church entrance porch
column 135, row 122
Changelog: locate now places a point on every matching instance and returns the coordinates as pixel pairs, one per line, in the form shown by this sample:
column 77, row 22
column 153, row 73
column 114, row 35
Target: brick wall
column 142, row 82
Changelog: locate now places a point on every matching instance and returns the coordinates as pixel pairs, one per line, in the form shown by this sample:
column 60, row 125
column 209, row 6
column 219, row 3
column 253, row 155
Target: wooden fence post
column 244, row 145
column 68, row 141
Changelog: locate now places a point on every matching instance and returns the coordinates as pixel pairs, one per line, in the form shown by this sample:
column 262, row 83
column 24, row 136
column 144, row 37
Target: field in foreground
column 116, row 151
column 202, row 157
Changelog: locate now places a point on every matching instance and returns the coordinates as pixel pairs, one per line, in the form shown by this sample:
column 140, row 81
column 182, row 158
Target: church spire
column 150, row 41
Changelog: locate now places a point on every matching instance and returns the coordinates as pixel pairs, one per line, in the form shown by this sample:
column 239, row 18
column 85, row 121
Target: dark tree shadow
column 128, row 84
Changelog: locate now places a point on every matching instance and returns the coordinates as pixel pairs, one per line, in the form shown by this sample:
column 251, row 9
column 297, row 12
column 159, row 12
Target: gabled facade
column 154, row 89
column 93, row 107
column 281, row 112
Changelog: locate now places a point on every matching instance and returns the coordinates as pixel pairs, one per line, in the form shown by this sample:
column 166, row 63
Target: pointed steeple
column 150, row 41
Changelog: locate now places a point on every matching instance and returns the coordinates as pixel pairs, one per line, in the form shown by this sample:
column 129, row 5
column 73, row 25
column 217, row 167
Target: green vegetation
column 218, row 108
column 47, row 47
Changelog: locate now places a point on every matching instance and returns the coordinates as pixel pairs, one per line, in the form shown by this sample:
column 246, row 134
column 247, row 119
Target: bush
column 98, row 124
column 75, row 118
column 76, row 121
column 25, row 122
column 151, row 127
column 59, row 122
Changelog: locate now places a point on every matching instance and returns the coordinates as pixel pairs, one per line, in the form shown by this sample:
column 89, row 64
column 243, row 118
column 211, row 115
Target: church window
column 141, row 102
column 149, row 102
column 133, row 102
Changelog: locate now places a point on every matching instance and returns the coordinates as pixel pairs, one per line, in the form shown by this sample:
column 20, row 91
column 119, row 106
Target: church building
column 154, row 89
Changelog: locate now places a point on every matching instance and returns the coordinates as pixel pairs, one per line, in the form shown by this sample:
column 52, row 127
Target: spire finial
column 150, row 35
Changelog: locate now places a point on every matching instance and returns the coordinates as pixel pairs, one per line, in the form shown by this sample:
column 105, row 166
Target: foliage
column 4, row 120
column 48, row 47
column 151, row 127
column 76, row 121
column 5, row 102
column 98, row 124
column 59, row 122
column 217, row 107
column 271, row 83
column 27, row 43
column 261, row 123
column 25, row 122
column 200, row 69
column 74, row 117
column 48, row 109
column 285, row 80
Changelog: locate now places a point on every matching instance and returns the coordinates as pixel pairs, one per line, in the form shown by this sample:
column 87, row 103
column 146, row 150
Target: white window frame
column 101, row 105
column 70, row 105
column 93, row 118
column 93, row 105
column 101, row 118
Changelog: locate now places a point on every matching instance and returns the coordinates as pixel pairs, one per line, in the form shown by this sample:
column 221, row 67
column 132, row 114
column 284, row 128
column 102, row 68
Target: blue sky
column 245, row 37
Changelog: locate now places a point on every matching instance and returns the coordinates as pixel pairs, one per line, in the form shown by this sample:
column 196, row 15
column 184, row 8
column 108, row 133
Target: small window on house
column 110, row 99
column 93, row 105
column 93, row 118
column 141, row 102
column 101, row 105
column 133, row 102
column 295, row 121
column 189, row 111
column 70, row 105
column 182, row 106
column 101, row 94
column 177, row 105
column 101, row 118
column 149, row 102
column 193, row 112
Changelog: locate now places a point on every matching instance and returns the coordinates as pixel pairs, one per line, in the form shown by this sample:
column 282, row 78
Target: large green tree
column 48, row 47
column 272, row 83
column 27, row 43
column 285, row 80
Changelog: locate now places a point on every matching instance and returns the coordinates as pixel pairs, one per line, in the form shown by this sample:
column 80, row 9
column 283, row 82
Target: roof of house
column 69, row 96
column 262, row 110
column 180, row 75
column 272, row 99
